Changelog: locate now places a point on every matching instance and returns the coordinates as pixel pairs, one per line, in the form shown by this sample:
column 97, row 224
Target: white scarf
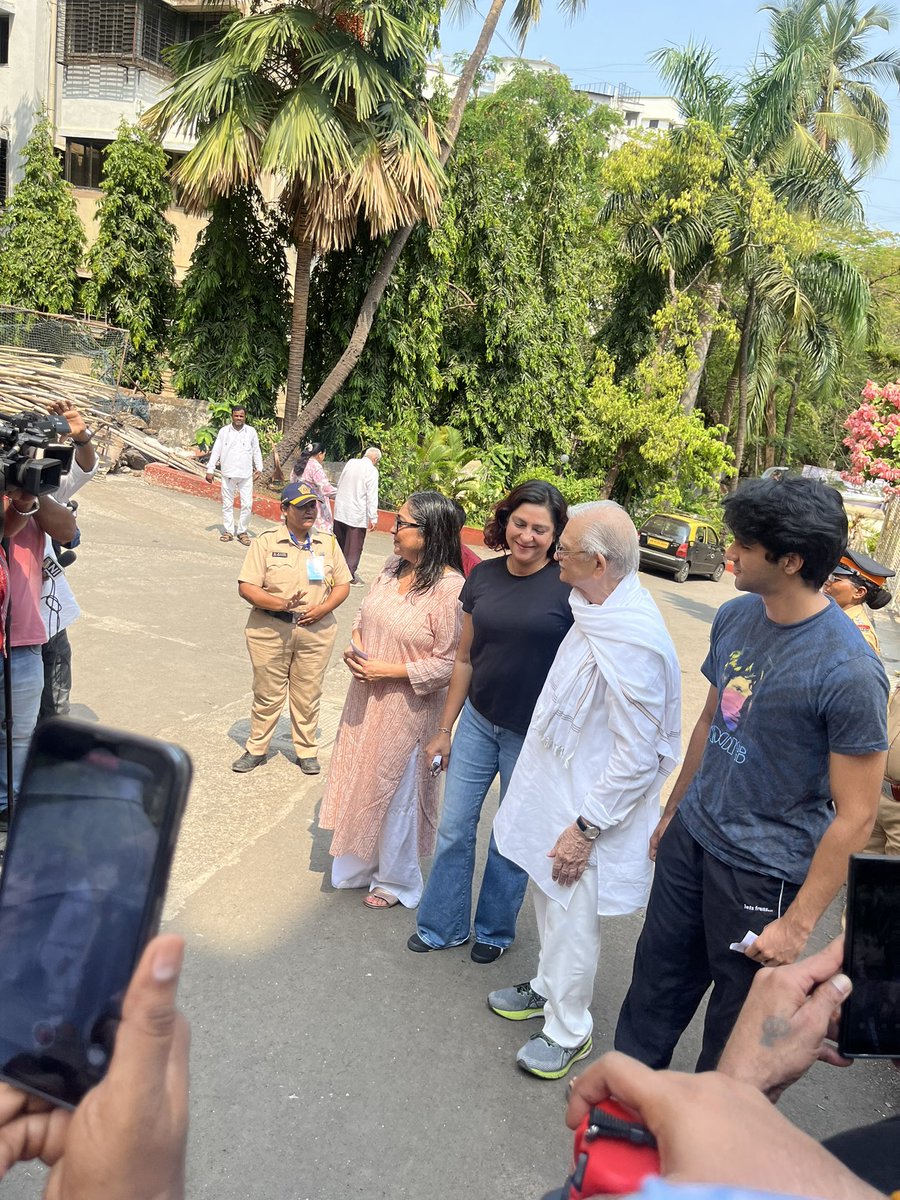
column 608, row 631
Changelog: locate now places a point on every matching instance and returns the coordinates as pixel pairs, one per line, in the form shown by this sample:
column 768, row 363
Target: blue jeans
column 27, row 685
column 479, row 751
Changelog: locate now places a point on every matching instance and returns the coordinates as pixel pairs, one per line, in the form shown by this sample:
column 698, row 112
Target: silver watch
column 590, row 832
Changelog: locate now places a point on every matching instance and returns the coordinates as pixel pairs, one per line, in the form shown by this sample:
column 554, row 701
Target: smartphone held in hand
column 82, row 890
column 870, row 1016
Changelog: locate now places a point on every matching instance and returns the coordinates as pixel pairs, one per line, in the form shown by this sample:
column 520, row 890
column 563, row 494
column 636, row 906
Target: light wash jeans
column 27, row 685
column 479, row 751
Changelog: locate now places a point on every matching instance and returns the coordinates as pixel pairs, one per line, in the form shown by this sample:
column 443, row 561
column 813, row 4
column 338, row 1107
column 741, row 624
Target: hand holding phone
column 87, row 863
column 358, row 651
column 129, row 1134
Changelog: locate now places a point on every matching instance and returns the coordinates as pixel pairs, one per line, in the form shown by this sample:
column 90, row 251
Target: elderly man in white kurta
column 584, row 797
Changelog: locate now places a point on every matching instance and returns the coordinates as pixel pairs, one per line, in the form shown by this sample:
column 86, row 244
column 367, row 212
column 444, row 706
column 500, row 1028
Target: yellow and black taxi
column 683, row 544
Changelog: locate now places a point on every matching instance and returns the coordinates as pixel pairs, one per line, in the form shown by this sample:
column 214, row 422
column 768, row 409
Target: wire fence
column 84, row 347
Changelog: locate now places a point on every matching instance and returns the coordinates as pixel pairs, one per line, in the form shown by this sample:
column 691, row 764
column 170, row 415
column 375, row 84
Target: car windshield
column 669, row 528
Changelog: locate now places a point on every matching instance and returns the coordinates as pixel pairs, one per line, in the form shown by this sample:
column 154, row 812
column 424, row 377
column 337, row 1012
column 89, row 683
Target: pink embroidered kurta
column 314, row 475
column 382, row 723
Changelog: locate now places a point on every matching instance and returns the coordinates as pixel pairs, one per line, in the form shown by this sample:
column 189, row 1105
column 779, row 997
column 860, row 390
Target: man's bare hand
column 69, row 413
column 782, row 941
column 712, row 1129
column 570, row 856
column 127, row 1139
column 782, row 1029
column 660, row 829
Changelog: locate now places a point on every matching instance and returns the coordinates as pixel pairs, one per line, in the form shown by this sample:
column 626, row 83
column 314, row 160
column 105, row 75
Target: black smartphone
column 870, row 1016
column 81, row 893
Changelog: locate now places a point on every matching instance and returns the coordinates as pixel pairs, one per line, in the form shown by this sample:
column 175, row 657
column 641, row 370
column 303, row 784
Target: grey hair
column 615, row 538
column 374, row 453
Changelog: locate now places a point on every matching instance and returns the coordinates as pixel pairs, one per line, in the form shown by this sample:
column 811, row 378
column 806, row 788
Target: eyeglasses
column 562, row 551
column 399, row 524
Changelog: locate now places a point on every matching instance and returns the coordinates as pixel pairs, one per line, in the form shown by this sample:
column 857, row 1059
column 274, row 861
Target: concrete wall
column 24, row 79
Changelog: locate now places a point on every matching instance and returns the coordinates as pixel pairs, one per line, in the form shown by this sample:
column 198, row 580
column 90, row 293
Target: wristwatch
column 590, row 832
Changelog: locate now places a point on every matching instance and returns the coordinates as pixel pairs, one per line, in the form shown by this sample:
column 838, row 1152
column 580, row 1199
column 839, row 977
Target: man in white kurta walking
column 356, row 506
column 236, row 453
column 584, row 797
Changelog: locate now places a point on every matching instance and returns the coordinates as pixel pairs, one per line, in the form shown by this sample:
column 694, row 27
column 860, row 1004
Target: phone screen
column 870, row 1017
column 79, row 896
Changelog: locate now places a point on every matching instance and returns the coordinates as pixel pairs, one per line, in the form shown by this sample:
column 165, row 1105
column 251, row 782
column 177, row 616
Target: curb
column 267, row 507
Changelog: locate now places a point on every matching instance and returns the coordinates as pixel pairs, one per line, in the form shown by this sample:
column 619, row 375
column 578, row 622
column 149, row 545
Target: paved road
column 329, row 1062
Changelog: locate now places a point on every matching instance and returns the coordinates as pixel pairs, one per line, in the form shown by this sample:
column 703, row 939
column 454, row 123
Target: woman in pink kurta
column 381, row 800
column 308, row 469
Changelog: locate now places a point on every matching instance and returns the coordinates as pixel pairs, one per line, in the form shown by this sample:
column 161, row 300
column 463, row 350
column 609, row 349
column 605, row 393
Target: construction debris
column 30, row 379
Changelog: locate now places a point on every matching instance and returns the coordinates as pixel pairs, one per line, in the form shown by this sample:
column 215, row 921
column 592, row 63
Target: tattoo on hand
column 773, row 1030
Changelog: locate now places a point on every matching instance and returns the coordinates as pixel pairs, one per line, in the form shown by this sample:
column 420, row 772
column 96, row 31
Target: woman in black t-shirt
column 515, row 614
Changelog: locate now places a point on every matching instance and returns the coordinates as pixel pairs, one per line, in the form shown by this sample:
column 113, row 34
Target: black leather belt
column 279, row 616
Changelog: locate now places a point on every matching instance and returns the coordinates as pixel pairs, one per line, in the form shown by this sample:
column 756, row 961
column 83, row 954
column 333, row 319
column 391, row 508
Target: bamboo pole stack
column 30, row 379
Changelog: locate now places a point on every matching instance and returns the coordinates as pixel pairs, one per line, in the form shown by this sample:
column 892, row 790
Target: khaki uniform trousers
column 885, row 837
column 289, row 661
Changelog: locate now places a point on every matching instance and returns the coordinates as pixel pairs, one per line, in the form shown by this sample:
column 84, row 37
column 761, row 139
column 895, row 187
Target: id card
column 315, row 568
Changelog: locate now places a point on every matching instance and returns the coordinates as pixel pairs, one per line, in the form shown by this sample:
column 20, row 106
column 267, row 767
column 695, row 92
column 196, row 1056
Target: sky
column 612, row 42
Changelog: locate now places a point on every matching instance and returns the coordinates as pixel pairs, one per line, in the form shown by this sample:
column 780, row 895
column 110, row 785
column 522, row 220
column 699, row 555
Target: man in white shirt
column 237, row 454
column 356, row 506
column 584, row 796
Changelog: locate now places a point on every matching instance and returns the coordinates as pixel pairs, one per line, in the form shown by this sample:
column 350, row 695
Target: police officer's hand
column 294, row 602
column 311, row 615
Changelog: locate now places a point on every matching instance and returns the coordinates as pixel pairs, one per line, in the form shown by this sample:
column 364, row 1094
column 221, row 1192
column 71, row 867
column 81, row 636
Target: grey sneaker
column 517, row 1003
column 543, row 1057
column 247, row 762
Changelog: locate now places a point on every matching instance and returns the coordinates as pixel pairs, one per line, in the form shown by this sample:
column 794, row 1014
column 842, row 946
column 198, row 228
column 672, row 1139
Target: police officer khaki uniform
column 857, row 583
column 294, row 577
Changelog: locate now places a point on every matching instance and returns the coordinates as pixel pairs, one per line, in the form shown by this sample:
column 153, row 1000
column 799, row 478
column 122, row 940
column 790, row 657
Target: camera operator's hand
column 711, row 1129
column 787, row 1016
column 85, row 455
column 127, row 1139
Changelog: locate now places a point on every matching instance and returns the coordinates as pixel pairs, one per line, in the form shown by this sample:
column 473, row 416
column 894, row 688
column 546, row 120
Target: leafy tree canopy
column 132, row 270
column 232, row 317
column 41, row 235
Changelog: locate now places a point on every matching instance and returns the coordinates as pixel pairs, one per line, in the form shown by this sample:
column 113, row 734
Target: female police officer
column 294, row 577
column 856, row 581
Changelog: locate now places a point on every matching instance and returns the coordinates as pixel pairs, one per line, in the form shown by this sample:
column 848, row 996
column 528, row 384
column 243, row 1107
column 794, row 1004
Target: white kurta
column 629, row 737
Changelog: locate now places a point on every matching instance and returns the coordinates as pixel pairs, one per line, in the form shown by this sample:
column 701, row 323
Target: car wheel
column 682, row 573
column 718, row 572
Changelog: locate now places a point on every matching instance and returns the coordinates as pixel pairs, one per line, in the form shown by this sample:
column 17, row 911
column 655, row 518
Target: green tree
column 229, row 341
column 488, row 327
column 307, row 94
column 132, row 280
column 41, row 235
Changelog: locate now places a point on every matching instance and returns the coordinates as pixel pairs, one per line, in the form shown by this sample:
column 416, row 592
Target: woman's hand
column 294, row 602
column 316, row 613
column 439, row 745
column 371, row 670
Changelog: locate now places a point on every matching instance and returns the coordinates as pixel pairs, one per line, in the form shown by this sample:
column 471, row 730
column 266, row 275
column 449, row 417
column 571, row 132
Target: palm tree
column 306, row 95
column 821, row 80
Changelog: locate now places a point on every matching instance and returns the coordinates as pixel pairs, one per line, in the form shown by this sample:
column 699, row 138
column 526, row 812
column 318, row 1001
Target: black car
column 682, row 544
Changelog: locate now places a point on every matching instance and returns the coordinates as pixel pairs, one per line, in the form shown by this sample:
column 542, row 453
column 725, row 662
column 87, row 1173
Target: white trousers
column 570, row 952
column 244, row 488
column 395, row 865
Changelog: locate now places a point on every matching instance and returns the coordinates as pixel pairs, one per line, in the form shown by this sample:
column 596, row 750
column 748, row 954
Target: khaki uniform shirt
column 863, row 622
column 276, row 564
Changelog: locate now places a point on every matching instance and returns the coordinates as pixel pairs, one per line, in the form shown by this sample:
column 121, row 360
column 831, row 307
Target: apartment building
column 90, row 63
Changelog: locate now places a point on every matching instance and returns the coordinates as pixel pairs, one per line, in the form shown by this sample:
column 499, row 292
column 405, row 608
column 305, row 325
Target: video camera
column 31, row 457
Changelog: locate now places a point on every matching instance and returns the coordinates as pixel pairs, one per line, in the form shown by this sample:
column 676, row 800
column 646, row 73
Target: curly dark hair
column 791, row 516
column 532, row 491
column 439, row 521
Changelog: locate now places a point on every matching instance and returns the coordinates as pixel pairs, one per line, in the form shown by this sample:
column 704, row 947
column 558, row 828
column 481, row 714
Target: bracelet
column 444, row 729
column 31, row 511
column 90, row 434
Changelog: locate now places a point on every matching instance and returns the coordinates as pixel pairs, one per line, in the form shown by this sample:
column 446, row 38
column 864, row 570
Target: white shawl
column 627, row 619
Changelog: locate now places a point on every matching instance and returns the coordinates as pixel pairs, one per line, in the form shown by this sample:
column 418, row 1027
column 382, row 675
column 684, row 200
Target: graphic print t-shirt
column 788, row 696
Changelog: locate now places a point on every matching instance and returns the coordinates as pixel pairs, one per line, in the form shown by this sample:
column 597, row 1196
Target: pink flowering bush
column 874, row 437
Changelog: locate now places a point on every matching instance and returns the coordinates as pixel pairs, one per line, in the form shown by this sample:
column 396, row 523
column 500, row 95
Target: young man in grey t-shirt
column 780, row 782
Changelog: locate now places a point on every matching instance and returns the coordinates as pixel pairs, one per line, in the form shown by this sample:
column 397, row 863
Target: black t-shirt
column 519, row 622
